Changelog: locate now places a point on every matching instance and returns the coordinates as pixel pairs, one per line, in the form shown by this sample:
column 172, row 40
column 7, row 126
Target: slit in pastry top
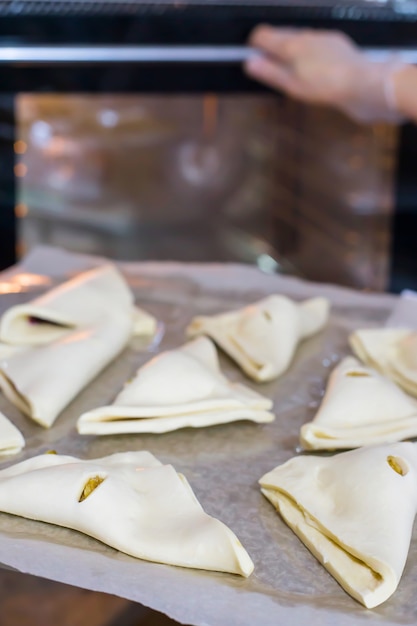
column 129, row 501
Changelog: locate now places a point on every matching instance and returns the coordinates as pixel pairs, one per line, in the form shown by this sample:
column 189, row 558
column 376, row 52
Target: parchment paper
column 222, row 463
column 404, row 313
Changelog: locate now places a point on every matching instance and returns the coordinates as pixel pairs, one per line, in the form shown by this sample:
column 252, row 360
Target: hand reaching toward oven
column 327, row 68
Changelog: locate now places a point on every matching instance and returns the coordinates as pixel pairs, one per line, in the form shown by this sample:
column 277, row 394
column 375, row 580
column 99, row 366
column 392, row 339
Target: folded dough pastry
column 179, row 388
column 41, row 381
column 392, row 351
column 360, row 408
column 11, row 439
column 262, row 338
column 55, row 345
column 128, row 501
column 77, row 303
column 354, row 511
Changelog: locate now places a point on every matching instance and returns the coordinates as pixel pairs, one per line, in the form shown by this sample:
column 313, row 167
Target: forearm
column 405, row 92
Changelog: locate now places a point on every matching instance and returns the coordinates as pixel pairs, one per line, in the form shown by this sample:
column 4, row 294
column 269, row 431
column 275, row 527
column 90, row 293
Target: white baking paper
column 223, row 463
column 404, row 313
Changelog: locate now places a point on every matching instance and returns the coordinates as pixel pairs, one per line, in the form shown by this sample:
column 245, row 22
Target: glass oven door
column 274, row 200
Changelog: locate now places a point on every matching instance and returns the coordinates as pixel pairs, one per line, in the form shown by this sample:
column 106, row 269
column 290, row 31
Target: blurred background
column 207, row 177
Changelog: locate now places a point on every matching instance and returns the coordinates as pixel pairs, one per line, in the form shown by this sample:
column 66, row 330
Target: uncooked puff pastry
column 54, row 346
column 262, row 338
column 11, row 439
column 360, row 407
column 176, row 389
column 129, row 501
column 392, row 351
column 354, row 511
column 77, row 303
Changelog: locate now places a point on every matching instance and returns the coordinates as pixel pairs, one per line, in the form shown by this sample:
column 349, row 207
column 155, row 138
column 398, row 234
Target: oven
column 128, row 130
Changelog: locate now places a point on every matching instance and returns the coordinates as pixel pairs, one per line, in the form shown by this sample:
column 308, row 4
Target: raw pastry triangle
column 79, row 302
column 41, row 381
column 354, row 511
column 262, row 338
column 391, row 351
column 62, row 340
column 11, row 439
column 360, row 407
column 128, row 501
column 178, row 388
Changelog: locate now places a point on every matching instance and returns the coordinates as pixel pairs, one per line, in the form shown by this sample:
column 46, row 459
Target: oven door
column 174, row 48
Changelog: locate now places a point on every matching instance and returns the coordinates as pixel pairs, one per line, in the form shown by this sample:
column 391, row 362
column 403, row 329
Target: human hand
column 327, row 68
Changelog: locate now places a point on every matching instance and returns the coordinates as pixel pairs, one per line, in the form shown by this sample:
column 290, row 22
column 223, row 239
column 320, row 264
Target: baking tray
column 222, row 463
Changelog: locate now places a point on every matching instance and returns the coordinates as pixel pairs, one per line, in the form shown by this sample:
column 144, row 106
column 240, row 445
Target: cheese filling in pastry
column 128, row 501
column 354, row 511
column 176, row 389
column 262, row 338
column 391, row 351
column 360, row 407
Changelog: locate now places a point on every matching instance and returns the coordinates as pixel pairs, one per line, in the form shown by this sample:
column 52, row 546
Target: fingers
column 265, row 34
column 271, row 73
column 291, row 44
column 279, row 43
